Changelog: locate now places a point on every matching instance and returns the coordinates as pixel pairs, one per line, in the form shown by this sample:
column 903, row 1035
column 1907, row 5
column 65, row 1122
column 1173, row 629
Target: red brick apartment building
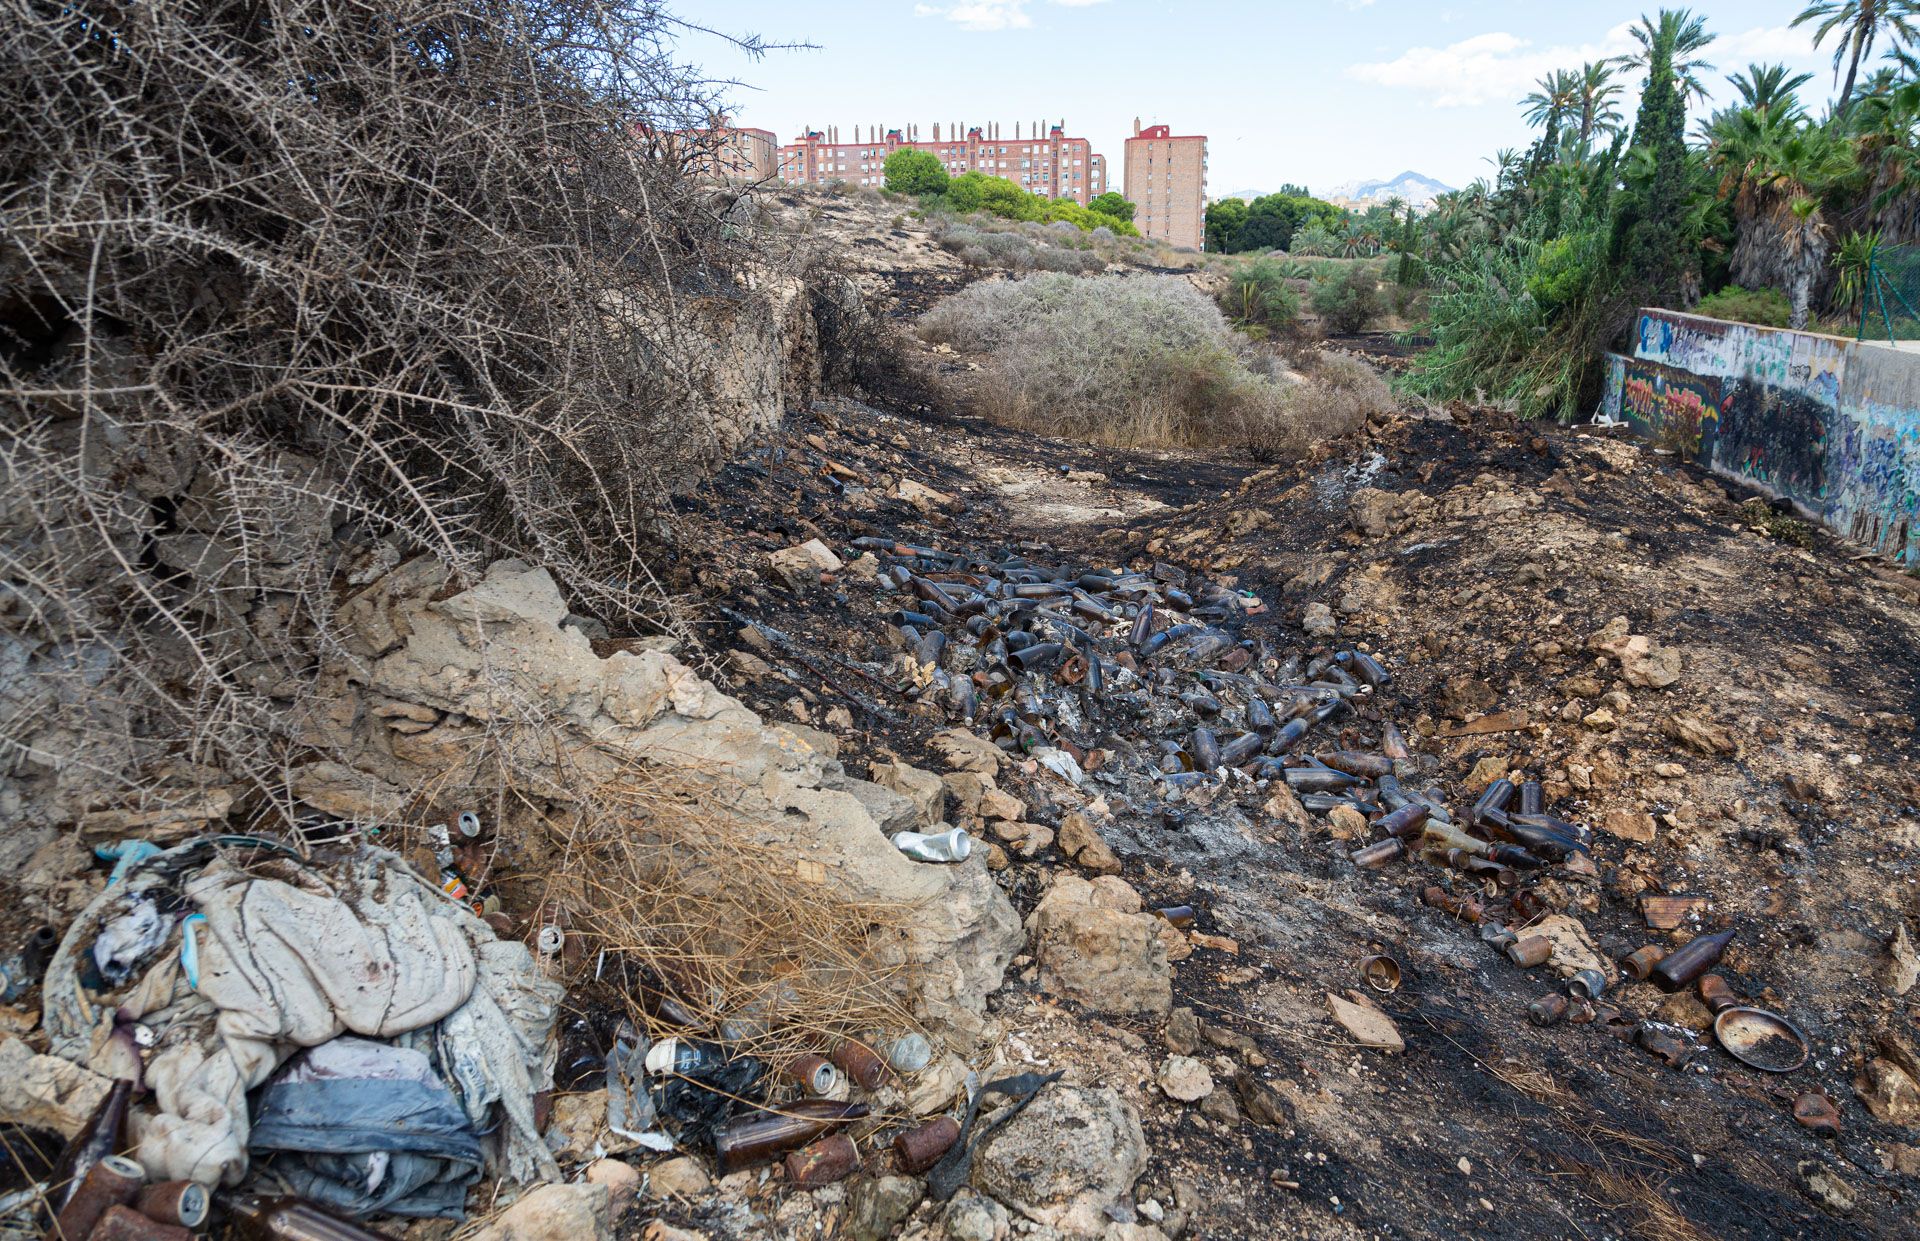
column 1167, row 183
column 725, row 152
column 1052, row 165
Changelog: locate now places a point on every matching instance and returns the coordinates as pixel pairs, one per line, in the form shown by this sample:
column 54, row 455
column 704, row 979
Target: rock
column 1283, row 805
column 998, row 804
column 1183, row 1032
column 1317, row 621
column 1600, row 720
column 963, row 751
column 1610, row 637
column 622, row 1182
column 1220, row 1108
column 865, row 566
column 1826, row 1187
column 1686, row 1010
column 1108, row 961
column 923, row 788
column 1903, row 962
column 1185, row 1079
column 971, row 1217
column 1486, row 771
column 921, row 496
column 680, row 1177
column 1648, row 665
column 46, row 1092
column 1888, row 1092
column 578, row 1124
column 877, row 1206
column 1631, row 825
column 576, row 1212
column 1082, row 842
column 801, row 565
column 1903, row 1159
column 1702, row 736
column 748, row 666
column 1113, row 892
column 1573, row 948
column 1374, row 513
column 1367, row 1024
column 966, row 788
column 661, row 1230
column 934, row 1087
column 1346, row 823
column 1073, row 1153
column 1466, row 696
column 1264, row 1104
column 496, row 662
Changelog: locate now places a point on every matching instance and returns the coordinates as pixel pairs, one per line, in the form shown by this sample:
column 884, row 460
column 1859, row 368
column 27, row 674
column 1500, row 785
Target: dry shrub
column 292, row 290
column 687, row 902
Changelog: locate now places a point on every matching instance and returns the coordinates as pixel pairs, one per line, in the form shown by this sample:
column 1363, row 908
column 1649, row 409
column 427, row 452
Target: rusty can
column 860, row 1064
column 122, row 1223
column 1379, row 853
column 1716, row 994
column 1640, row 962
column 920, row 1148
column 1179, row 917
column 1588, row 984
column 1547, row 1010
column 1531, row 951
column 1382, row 972
column 183, row 1203
column 114, row 1181
column 823, row 1162
column 816, row 1074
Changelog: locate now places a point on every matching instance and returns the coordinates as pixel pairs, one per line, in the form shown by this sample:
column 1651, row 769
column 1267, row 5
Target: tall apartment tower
column 1166, row 180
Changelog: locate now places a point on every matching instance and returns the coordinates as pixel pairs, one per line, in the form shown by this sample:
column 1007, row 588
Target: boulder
column 1103, row 959
column 963, row 751
column 506, row 676
column 923, row 788
column 1074, row 1152
column 1081, row 841
column 1374, row 513
column 576, row 1212
column 801, row 565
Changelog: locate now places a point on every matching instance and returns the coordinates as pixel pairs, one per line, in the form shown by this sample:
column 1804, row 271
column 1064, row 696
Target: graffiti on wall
column 1675, row 409
column 1831, row 424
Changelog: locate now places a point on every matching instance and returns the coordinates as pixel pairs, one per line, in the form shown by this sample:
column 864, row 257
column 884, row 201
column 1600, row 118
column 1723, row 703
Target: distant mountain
column 1411, row 186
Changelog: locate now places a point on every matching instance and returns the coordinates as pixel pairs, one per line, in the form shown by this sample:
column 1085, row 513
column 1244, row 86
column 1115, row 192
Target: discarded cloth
column 292, row 955
column 361, row 1127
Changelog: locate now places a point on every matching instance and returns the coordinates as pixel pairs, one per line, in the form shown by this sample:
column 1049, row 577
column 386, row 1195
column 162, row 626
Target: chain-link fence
column 1889, row 294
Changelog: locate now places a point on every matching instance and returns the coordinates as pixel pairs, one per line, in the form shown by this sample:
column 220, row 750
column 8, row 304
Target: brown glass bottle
column 257, row 1218
column 761, row 1137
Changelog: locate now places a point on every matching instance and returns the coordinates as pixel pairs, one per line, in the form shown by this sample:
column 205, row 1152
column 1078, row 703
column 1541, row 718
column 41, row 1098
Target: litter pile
column 1147, row 685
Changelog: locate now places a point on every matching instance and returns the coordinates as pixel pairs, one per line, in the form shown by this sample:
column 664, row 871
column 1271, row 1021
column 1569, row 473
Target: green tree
column 1224, row 222
column 911, row 171
column 1112, row 203
column 1685, row 36
column 1861, row 23
column 1658, row 242
column 1595, row 90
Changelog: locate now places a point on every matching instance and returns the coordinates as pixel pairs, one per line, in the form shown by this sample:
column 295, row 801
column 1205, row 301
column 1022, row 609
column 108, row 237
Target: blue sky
column 1289, row 90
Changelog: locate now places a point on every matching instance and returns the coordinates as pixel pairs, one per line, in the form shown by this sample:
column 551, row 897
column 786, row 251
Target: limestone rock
column 1827, row 1187
column 971, row 1217
column 46, row 1092
column 1074, row 1151
column 1374, row 513
column 1318, row 620
column 923, row 788
column 1185, row 1079
column 1648, row 665
column 576, row 1212
column 680, row 1177
column 920, row 495
column 622, row 1181
column 878, row 1205
column 1466, row 696
column 1346, row 823
column 963, row 751
column 1700, row 735
column 801, row 565
column 494, row 659
column 1888, row 1092
column 1183, row 1032
column 1108, row 961
column 1113, row 892
column 1486, row 771
column 1283, row 805
column 1369, row 1026
column 578, row 1124
column 1903, row 962
column 1573, row 947
column 1634, row 825
column 1082, row 842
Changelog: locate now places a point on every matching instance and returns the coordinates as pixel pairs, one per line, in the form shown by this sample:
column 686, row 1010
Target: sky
column 1315, row 93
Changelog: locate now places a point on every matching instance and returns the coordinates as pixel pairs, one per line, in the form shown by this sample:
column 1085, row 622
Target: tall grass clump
column 1119, row 360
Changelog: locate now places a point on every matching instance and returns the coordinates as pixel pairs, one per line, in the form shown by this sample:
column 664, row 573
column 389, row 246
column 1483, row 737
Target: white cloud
column 992, row 14
column 1499, row 67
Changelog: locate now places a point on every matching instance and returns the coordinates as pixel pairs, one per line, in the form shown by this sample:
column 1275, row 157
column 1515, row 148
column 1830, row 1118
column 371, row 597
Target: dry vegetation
column 1144, row 361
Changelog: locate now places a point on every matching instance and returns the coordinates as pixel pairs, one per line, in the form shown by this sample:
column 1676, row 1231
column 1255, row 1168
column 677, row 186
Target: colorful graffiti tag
column 1830, row 424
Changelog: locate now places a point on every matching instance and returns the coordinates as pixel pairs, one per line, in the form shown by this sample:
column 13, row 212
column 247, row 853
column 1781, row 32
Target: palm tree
column 1689, row 36
column 1771, row 89
column 1860, row 22
column 1594, row 93
column 1553, row 102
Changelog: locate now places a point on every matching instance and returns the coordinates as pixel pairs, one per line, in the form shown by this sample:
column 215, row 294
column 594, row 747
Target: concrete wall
column 1831, row 424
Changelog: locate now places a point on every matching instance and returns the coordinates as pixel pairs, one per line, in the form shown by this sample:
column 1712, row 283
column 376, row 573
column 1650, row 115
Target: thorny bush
column 290, row 291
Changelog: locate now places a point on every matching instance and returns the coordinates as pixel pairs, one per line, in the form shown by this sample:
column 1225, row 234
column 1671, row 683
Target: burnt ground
column 1481, row 597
